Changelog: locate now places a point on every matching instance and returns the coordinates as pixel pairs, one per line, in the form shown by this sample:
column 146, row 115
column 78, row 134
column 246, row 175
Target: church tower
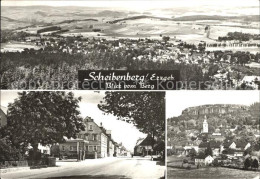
column 205, row 126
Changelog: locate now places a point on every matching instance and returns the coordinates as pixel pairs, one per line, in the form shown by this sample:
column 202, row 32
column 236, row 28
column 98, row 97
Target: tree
column 43, row 117
column 166, row 38
column 247, row 163
column 8, row 153
column 146, row 110
column 247, row 151
column 255, row 164
column 215, row 162
column 192, row 153
column 208, row 150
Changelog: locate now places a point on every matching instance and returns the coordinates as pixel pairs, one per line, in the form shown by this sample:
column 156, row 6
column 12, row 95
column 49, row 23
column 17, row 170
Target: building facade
column 94, row 142
column 97, row 137
column 74, row 149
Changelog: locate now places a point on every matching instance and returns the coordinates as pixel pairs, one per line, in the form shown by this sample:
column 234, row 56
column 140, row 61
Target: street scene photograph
column 213, row 134
column 213, row 44
column 82, row 134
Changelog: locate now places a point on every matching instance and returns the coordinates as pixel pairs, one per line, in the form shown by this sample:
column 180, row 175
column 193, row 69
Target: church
column 205, row 129
column 216, row 135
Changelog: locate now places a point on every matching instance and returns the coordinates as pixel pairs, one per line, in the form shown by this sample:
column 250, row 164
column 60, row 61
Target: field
column 17, row 46
column 201, row 173
column 213, row 173
column 126, row 23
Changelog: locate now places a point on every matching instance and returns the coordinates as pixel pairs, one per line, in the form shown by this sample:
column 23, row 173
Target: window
column 90, row 148
column 73, row 148
column 95, row 148
column 63, row 148
column 94, row 136
column 86, row 136
column 90, row 127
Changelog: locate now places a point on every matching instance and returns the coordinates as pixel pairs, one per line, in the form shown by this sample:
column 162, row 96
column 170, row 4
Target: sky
column 177, row 101
column 133, row 3
column 160, row 8
column 118, row 3
column 121, row 131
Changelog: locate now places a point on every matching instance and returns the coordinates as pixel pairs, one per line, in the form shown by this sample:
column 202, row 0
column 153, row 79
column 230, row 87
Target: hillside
column 217, row 115
column 252, row 18
column 136, row 18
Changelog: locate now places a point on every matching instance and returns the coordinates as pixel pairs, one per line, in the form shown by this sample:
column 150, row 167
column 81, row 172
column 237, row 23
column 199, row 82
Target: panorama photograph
column 214, row 44
column 82, row 134
column 213, row 134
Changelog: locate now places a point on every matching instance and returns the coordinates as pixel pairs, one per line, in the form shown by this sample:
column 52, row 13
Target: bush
column 9, row 153
column 185, row 161
column 215, row 163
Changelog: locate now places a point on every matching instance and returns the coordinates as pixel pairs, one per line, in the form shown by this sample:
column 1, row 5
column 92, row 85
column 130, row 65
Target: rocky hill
column 217, row 115
column 215, row 109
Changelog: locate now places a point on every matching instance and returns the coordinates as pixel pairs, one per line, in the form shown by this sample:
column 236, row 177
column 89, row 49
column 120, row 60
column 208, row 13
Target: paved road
column 111, row 168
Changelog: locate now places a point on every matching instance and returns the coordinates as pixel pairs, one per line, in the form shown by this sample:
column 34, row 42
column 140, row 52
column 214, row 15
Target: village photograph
column 213, row 134
column 82, row 134
column 214, row 44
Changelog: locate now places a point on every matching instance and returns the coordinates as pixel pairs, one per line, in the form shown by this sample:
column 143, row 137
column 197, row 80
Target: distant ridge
column 10, row 19
column 253, row 18
column 138, row 17
column 216, row 17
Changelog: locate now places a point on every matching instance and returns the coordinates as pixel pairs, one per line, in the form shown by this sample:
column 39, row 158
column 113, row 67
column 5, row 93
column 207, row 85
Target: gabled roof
column 147, row 141
column 227, row 144
column 202, row 156
column 212, row 144
column 241, row 144
column 139, row 141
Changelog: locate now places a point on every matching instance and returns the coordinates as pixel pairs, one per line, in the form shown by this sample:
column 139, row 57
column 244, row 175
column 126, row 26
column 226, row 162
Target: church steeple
column 205, row 125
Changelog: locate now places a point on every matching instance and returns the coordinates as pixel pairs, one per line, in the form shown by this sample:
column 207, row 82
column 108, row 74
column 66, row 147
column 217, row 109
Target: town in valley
column 51, row 43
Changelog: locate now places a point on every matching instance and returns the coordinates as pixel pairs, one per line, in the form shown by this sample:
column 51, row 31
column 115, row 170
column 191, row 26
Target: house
column 219, row 138
column 203, row 146
column 229, row 144
column 208, row 160
column 215, row 146
column 97, row 137
column 74, row 148
column 250, row 81
column 202, row 160
column 178, row 149
column 242, row 145
column 122, row 150
column 3, row 117
column 91, row 143
column 110, row 144
column 187, row 149
column 116, row 149
column 238, row 153
column 144, row 146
